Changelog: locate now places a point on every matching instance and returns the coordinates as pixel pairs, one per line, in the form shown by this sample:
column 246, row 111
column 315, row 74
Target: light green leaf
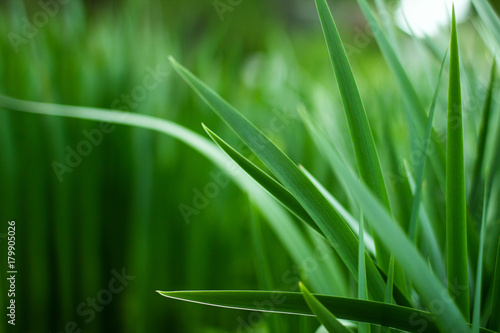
column 477, row 182
column 362, row 288
column 476, row 315
column 489, row 18
column 456, row 218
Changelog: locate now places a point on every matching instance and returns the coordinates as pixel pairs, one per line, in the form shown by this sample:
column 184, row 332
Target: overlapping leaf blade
column 488, row 16
column 329, row 321
column 331, row 223
column 390, row 315
column 362, row 139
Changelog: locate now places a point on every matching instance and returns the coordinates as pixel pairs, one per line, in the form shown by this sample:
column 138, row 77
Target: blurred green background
column 118, row 208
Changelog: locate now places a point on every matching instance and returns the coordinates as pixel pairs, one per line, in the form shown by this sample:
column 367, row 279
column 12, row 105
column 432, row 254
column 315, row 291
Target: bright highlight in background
column 427, row 17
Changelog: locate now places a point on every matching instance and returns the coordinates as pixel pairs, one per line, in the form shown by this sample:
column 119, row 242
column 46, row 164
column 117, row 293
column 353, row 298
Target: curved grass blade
column 262, row 265
column 395, row 316
column 286, row 230
column 324, row 215
column 456, row 218
column 367, row 159
column 267, row 182
column 324, row 316
column 421, row 164
column 362, row 288
column 489, row 18
column 477, row 182
column 430, row 238
column 476, row 314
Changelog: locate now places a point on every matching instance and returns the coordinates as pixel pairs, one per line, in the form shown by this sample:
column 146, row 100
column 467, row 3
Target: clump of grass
column 371, row 196
column 400, row 279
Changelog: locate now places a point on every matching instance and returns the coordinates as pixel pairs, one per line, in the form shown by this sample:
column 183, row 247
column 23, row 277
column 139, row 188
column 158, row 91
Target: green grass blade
column 476, row 315
column 389, row 290
column 387, row 22
column 431, row 241
column 494, row 322
column 477, row 182
column 262, row 265
column 325, row 216
column 416, row 112
column 353, row 223
column 423, row 158
column 263, row 271
column 367, row 159
column 267, row 182
column 390, row 281
column 456, row 218
column 324, row 316
column 489, row 18
column 362, row 288
column 399, row 317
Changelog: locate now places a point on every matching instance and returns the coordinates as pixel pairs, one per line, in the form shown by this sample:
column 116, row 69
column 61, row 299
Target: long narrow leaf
column 361, row 135
column 399, row 317
column 423, row 159
column 362, row 292
column 456, row 219
column 474, row 200
column 262, row 265
column 479, row 274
